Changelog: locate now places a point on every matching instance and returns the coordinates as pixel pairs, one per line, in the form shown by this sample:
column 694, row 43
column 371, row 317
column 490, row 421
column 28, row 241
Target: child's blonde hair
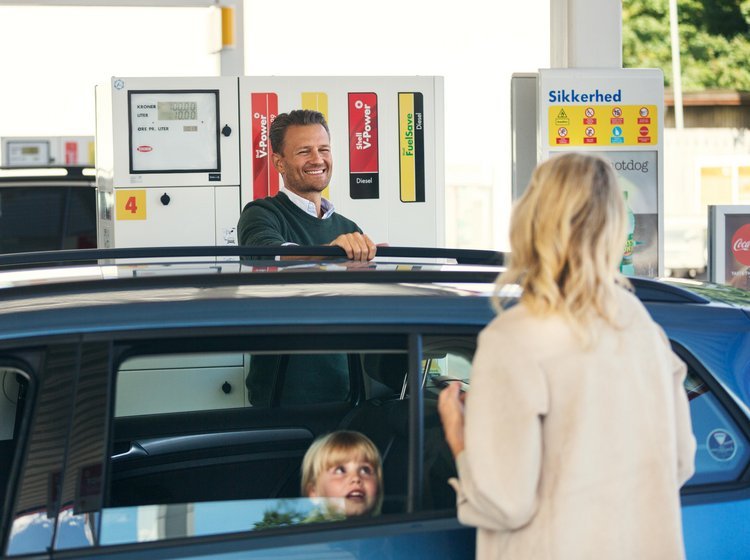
column 337, row 447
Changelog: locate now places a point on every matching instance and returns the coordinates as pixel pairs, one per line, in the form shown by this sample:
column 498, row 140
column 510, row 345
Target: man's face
column 305, row 162
column 355, row 481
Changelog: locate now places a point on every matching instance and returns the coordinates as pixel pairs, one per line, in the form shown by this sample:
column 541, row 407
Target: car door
column 102, row 476
column 716, row 500
column 200, row 482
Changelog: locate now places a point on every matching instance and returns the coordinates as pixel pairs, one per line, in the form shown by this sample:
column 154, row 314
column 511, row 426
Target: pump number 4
column 131, row 204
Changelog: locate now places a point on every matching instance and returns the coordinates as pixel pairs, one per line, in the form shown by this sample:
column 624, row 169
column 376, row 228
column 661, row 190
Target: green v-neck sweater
column 276, row 220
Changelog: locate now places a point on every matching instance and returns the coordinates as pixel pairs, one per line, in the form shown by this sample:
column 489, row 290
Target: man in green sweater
column 298, row 214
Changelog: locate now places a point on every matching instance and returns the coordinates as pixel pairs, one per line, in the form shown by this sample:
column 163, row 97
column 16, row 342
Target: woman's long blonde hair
column 567, row 236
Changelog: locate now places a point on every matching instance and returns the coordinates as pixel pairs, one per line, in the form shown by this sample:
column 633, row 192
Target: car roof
column 44, row 176
column 96, row 278
column 111, row 269
column 174, row 265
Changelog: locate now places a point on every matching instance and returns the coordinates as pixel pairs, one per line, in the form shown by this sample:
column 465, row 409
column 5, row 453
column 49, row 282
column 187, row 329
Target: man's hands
column 358, row 246
column 451, row 409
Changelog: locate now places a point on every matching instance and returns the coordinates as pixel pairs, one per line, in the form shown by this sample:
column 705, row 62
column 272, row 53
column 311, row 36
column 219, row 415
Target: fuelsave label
column 411, row 146
column 263, row 107
column 363, row 146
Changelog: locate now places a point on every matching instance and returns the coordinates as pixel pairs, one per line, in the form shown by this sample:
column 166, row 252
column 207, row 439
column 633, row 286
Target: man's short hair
column 298, row 117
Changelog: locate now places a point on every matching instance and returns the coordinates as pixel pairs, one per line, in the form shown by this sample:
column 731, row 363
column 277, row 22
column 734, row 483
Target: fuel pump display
column 173, row 131
column 177, row 110
column 33, row 153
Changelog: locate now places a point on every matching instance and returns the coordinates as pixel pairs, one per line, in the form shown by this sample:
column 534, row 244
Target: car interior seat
column 385, row 420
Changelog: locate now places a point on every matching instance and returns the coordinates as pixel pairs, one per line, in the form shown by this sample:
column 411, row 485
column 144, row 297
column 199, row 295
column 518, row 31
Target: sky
column 54, row 56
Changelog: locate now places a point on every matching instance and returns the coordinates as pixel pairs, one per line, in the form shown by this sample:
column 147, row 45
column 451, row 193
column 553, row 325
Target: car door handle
column 135, row 451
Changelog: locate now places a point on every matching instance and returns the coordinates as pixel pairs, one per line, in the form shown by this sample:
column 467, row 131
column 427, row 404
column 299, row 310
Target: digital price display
column 177, row 110
column 174, row 131
column 28, row 154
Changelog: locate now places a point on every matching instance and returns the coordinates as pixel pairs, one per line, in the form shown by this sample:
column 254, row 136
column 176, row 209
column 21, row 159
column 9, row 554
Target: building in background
column 706, row 163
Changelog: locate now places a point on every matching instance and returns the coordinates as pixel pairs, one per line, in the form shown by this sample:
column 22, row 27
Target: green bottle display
column 626, row 265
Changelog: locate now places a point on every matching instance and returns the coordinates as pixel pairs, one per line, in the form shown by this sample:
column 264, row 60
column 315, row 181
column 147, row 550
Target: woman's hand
column 451, row 409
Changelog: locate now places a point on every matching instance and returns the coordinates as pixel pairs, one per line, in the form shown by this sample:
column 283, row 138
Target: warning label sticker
column 618, row 125
column 562, row 118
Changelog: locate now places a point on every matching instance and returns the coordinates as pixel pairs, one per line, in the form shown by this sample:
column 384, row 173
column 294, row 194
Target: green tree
column 279, row 518
column 714, row 41
column 284, row 514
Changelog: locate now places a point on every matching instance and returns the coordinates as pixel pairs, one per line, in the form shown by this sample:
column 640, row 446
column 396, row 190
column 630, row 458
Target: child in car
column 344, row 469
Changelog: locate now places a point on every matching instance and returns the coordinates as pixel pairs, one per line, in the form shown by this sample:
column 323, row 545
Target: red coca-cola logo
column 144, row 148
column 741, row 245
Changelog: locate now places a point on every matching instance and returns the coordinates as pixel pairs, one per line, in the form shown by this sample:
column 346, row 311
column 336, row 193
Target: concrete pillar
column 232, row 52
column 586, row 33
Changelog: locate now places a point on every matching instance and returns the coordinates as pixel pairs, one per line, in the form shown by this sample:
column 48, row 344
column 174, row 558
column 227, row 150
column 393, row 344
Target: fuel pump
column 178, row 158
column 168, row 170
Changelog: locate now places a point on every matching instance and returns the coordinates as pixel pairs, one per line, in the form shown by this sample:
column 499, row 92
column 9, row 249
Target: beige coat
column 574, row 454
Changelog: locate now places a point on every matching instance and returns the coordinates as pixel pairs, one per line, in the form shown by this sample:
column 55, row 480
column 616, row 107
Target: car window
column 445, row 359
column 171, row 471
column 723, row 452
column 46, row 218
column 215, row 440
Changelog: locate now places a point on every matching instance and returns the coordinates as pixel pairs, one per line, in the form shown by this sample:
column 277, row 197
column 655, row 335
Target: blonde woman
column 576, row 434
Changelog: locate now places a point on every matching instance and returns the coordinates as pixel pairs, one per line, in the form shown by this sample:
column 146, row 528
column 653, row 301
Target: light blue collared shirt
column 309, row 207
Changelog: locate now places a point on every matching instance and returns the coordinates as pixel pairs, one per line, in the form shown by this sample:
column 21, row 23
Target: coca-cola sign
column 741, row 245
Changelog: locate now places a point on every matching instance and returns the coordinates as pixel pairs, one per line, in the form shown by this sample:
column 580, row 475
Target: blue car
column 157, row 404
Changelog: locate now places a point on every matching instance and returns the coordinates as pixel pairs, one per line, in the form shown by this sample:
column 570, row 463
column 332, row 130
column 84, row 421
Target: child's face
column 354, row 480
